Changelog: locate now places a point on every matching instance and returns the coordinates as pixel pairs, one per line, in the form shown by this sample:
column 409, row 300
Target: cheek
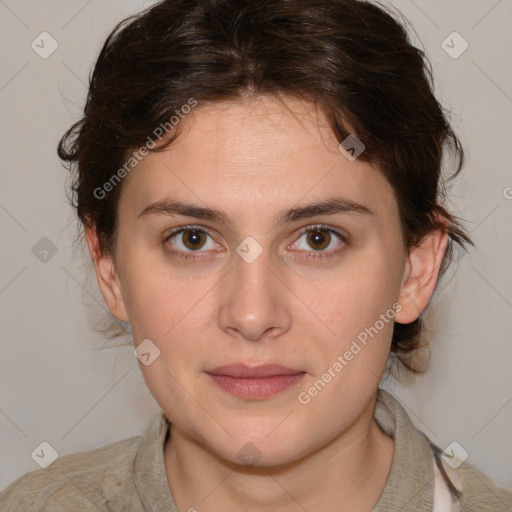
column 154, row 302
column 168, row 311
column 173, row 309
column 354, row 296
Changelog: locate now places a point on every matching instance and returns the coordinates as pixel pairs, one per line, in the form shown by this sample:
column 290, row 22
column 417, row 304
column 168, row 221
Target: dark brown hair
column 353, row 59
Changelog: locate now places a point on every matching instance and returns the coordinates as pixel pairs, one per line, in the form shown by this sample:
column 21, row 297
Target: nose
column 254, row 301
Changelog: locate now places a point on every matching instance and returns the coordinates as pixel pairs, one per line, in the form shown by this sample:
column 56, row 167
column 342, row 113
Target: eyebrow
column 331, row 206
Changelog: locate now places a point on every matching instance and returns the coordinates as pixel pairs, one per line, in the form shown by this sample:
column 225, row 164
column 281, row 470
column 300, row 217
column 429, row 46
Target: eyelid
column 322, row 227
column 322, row 253
column 190, row 227
column 200, row 253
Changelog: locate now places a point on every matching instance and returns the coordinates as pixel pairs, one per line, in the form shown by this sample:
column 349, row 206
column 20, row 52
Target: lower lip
column 256, row 388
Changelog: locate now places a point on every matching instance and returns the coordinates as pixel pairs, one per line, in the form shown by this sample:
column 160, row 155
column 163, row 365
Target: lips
column 243, row 371
column 255, row 382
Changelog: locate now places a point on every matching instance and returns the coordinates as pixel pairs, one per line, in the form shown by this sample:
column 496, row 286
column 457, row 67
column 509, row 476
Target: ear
column 108, row 280
column 420, row 275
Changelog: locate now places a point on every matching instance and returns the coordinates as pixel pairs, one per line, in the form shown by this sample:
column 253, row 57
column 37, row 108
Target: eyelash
column 189, row 255
column 323, row 254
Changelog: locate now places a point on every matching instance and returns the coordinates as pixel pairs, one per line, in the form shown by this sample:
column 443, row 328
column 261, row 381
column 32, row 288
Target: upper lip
column 244, row 371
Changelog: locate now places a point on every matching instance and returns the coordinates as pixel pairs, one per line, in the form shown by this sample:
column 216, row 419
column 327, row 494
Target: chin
column 260, row 451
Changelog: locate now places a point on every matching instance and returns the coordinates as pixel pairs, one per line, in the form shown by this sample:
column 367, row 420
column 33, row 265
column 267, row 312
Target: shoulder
column 480, row 493
column 90, row 480
column 475, row 491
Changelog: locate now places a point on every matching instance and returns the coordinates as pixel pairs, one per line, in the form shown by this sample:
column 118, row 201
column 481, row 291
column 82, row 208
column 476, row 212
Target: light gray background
column 55, row 387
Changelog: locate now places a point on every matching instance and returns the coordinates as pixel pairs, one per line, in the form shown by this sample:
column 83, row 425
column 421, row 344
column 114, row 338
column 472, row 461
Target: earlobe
column 420, row 276
column 106, row 275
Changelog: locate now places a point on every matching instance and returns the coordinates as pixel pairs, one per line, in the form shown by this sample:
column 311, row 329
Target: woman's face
column 286, row 254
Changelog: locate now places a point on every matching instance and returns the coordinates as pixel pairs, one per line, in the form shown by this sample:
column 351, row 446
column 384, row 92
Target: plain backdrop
column 57, row 387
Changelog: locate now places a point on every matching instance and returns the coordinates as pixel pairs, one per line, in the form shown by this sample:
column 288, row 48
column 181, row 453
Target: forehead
column 241, row 154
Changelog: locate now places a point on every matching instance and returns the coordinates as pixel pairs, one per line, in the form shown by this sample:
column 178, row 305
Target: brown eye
column 187, row 240
column 319, row 239
column 193, row 239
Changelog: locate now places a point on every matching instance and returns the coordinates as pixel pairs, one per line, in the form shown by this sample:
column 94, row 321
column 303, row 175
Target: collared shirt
column 130, row 476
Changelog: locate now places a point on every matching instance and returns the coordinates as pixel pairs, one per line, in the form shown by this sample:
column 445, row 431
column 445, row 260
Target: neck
column 347, row 474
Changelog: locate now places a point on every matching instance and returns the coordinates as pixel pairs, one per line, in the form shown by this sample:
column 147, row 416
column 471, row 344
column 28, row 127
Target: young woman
column 260, row 188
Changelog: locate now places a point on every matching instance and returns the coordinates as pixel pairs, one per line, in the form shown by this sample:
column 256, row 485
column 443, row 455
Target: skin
column 252, row 159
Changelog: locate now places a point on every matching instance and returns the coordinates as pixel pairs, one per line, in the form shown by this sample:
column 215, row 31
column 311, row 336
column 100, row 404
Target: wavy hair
column 352, row 58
